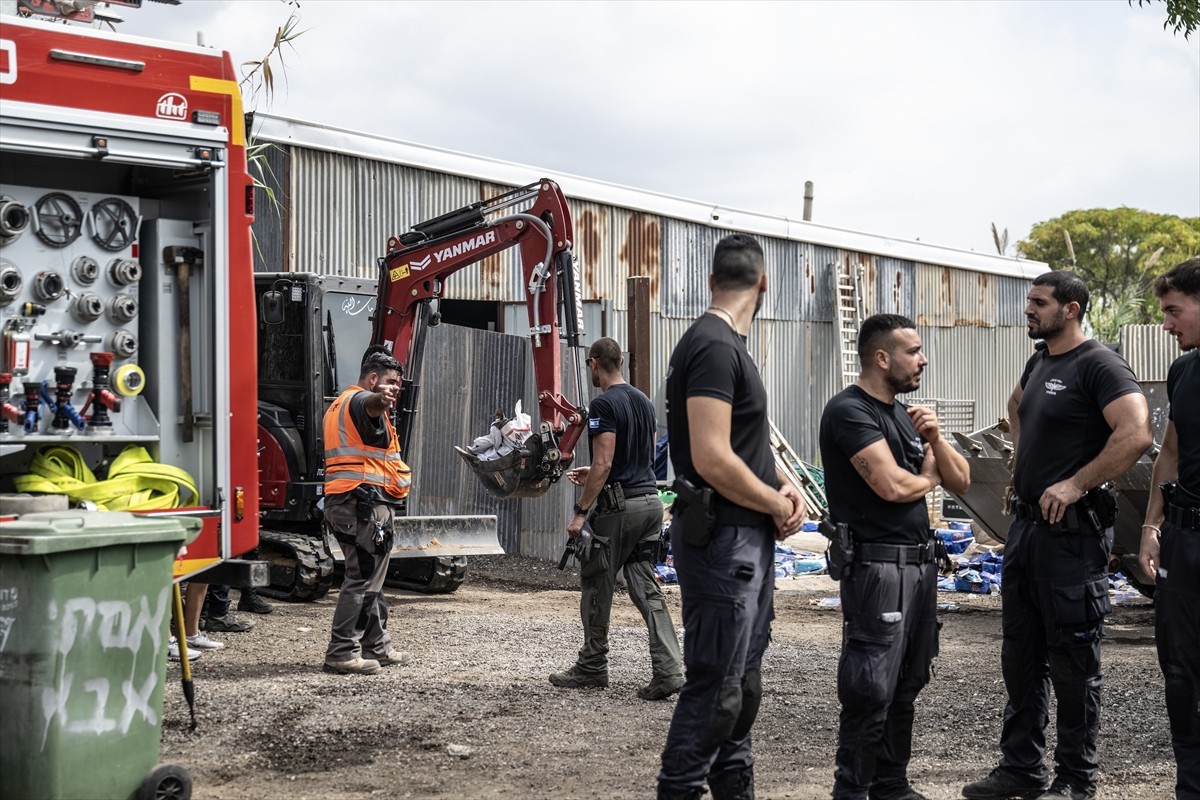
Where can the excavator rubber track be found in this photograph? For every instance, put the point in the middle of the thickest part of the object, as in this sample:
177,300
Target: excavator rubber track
301,569
441,575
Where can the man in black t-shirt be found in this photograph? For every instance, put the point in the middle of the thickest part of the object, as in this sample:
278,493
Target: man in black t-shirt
719,440
1078,419
621,499
1170,553
881,458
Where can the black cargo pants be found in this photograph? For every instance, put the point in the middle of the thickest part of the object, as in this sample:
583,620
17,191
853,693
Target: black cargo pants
728,594
1055,595
889,641
1177,630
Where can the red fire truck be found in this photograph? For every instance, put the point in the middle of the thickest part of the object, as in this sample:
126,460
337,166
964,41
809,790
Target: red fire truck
127,314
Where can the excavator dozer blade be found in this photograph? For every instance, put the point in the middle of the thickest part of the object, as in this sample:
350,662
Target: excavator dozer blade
513,475
437,537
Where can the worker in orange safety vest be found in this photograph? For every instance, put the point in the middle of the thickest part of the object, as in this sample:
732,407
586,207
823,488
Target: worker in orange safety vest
365,480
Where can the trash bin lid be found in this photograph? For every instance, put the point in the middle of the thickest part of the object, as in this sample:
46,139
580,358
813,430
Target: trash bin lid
62,531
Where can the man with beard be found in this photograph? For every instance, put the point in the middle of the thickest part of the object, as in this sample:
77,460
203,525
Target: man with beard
1078,419
881,458
1171,536
621,499
732,505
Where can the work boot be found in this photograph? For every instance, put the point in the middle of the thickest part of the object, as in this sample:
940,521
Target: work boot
733,784
575,678
660,688
911,794
252,603
353,666
226,624
1002,784
392,656
1061,790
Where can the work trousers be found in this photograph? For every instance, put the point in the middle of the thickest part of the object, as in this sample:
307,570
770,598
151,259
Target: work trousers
624,541
1177,631
889,641
360,619
1055,599
728,594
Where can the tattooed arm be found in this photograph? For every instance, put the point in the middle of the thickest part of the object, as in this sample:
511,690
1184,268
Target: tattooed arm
888,479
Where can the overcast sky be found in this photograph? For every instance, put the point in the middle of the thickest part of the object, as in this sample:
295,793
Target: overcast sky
915,120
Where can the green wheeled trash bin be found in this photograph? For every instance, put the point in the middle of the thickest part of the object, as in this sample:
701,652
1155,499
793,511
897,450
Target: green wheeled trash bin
85,608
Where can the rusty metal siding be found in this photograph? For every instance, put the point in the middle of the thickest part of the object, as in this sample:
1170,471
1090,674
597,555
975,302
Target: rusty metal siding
817,281
895,288
866,263
1149,349
596,247
1010,300
686,265
797,361
948,297
785,280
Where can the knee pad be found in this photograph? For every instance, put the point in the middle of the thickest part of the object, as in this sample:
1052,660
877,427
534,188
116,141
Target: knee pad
725,715
751,699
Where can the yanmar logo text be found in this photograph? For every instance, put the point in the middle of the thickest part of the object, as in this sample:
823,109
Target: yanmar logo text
1054,386
171,106
465,246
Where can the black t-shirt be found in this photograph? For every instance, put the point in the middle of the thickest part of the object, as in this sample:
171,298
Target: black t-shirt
711,360
373,431
628,413
1183,390
851,421
1062,413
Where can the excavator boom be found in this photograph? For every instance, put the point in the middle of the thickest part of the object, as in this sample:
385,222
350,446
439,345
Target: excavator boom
411,283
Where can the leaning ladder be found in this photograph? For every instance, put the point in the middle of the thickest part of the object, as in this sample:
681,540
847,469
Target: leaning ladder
849,310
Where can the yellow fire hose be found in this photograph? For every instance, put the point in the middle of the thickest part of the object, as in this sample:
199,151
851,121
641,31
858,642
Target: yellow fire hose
135,481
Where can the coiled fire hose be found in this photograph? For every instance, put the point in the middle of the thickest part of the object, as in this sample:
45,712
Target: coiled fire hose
135,482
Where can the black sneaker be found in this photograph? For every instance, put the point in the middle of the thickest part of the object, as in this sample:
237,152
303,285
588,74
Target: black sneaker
1001,784
1063,791
574,678
253,604
226,624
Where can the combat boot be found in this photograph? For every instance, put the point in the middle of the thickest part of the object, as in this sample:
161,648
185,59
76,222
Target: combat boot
733,784
1002,784
575,678
668,793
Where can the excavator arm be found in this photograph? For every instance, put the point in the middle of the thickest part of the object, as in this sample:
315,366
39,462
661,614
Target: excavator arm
411,284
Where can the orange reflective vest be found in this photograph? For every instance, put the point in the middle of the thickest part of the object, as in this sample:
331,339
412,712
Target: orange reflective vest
350,463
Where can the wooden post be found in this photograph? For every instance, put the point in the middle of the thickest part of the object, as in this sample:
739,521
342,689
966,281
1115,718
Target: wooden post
638,306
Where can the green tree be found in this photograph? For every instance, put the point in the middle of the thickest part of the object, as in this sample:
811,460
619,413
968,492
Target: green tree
1116,251
1182,15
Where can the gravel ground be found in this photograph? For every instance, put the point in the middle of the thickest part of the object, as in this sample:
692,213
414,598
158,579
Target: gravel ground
473,715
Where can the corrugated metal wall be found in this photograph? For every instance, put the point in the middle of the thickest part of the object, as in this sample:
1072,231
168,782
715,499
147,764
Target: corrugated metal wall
342,209
1149,350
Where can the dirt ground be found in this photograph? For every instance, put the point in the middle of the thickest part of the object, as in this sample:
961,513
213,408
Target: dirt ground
473,716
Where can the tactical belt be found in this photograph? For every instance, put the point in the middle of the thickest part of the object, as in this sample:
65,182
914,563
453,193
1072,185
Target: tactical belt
899,554
1033,513
728,514
613,496
1184,516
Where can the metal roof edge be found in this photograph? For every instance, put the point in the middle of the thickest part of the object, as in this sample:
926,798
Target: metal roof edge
280,129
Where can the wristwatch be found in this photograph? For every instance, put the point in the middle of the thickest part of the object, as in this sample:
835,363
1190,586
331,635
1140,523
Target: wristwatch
581,510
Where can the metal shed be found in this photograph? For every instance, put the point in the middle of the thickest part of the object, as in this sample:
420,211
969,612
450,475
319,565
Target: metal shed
340,194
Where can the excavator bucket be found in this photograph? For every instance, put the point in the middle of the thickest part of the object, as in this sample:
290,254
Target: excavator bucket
516,474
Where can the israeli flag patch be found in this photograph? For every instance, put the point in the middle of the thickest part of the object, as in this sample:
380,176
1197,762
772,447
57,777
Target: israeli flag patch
593,423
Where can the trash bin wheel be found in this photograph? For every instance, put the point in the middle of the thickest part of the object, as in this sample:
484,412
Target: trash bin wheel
166,782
